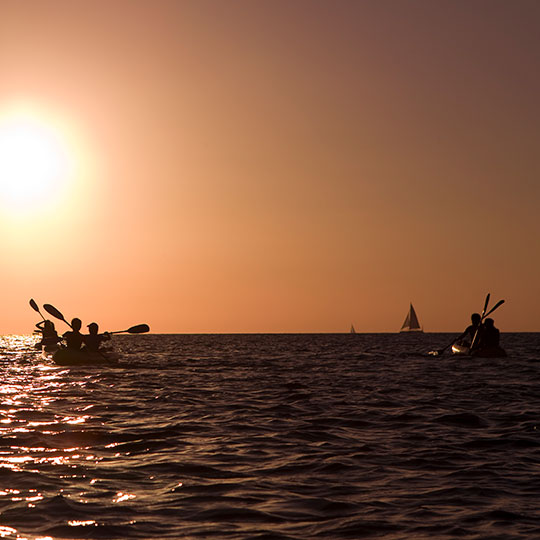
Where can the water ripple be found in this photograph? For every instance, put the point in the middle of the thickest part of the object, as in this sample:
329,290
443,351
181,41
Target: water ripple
271,437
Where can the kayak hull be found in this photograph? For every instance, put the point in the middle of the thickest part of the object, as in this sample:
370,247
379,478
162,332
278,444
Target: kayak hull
82,357
487,352
490,352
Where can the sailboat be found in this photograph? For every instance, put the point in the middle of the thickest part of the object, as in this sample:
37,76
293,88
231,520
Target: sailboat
411,323
353,331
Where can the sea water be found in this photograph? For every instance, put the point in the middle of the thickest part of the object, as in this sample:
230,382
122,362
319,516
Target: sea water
272,437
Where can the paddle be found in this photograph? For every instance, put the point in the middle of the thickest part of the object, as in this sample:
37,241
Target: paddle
35,307
137,329
485,305
55,313
499,303
481,319
440,351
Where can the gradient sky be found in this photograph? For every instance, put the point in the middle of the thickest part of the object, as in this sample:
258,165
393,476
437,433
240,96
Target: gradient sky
277,165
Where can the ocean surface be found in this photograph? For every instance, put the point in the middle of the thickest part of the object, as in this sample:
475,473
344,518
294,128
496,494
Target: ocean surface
272,437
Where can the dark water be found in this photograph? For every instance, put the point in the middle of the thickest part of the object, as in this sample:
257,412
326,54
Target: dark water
272,437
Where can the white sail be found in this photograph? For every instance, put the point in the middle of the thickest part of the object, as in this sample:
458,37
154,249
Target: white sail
411,323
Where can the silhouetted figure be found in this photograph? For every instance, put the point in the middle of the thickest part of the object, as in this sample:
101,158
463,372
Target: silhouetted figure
73,338
489,342
93,340
475,327
49,336
490,335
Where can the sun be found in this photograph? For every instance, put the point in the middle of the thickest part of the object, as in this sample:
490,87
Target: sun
34,164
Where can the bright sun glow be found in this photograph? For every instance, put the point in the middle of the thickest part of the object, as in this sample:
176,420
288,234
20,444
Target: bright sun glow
34,164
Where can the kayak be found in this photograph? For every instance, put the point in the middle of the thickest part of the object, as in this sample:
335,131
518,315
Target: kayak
486,352
84,357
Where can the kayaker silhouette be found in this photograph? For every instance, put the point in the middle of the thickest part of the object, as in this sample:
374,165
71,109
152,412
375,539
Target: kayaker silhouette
490,335
468,335
93,340
489,343
49,336
73,338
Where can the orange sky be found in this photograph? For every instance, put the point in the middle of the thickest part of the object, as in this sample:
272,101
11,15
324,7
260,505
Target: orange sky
277,166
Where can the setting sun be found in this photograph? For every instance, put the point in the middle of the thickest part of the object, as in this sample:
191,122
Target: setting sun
34,164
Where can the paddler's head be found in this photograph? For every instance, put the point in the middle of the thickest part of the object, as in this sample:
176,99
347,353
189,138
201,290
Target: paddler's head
489,323
475,318
76,324
93,328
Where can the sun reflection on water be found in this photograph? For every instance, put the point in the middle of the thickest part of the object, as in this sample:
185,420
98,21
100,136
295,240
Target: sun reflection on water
29,413
75,523
121,497
7,531
57,450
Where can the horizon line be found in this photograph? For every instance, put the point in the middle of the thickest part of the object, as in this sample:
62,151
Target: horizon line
298,333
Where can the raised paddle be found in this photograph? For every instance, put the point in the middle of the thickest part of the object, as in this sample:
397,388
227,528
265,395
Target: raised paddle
55,313
35,307
137,329
499,303
485,305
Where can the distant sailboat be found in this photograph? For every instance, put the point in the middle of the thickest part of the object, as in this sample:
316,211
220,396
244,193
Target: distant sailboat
353,331
411,323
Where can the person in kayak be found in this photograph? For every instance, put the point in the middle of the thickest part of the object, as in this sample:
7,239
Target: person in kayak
49,336
471,331
73,338
490,335
93,341
489,343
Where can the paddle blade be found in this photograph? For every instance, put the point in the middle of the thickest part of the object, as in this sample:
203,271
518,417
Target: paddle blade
486,304
53,311
499,303
138,329
33,305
